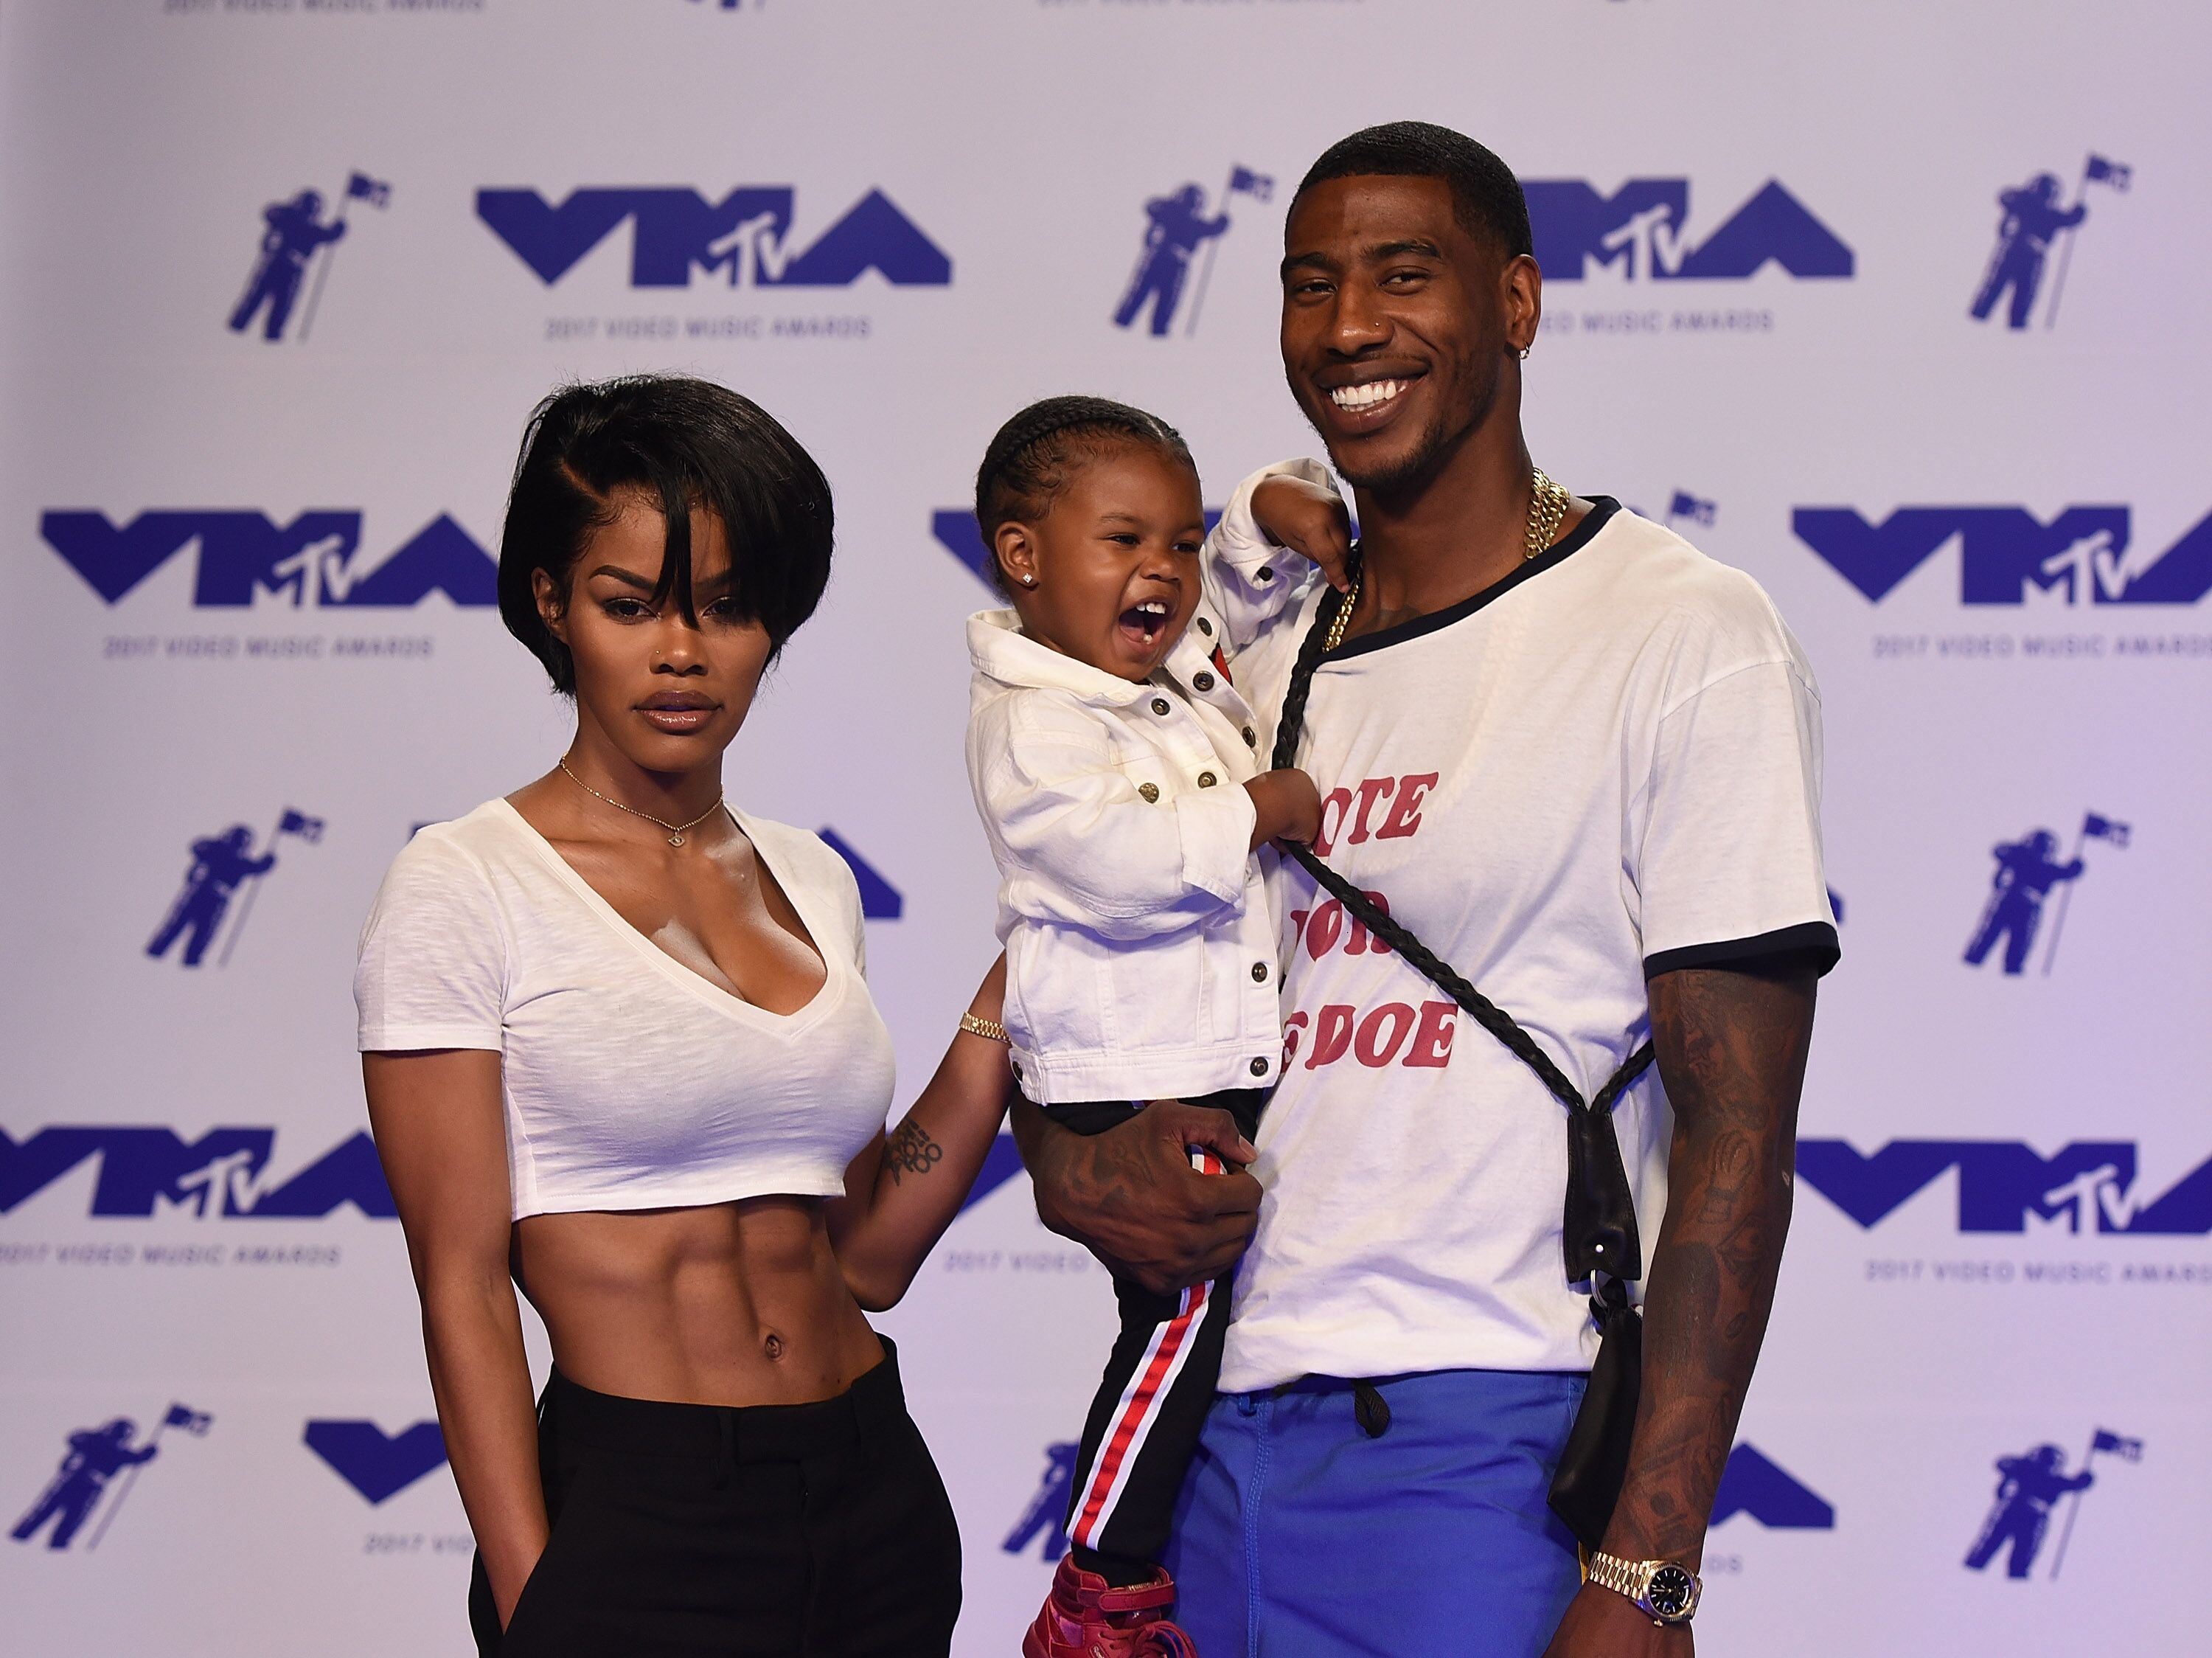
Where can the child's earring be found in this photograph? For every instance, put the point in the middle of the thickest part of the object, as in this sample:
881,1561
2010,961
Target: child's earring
1029,580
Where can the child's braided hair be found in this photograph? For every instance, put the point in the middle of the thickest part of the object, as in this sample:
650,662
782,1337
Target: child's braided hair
1035,454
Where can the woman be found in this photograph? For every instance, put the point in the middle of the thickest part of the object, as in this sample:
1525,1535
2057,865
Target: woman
618,1045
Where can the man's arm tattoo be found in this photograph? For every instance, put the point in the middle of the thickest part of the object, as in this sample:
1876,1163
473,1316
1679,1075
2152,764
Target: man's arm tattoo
1732,1051
909,1150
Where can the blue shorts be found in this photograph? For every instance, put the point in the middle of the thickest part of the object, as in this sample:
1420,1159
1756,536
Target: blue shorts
1299,1536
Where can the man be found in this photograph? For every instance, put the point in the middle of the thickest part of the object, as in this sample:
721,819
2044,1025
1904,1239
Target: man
1587,779
2025,872
1176,227
2032,217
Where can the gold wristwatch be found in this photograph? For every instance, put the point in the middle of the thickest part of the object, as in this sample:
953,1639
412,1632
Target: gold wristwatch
1664,1591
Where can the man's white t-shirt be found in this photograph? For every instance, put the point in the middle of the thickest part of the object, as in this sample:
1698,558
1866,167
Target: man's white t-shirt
1607,766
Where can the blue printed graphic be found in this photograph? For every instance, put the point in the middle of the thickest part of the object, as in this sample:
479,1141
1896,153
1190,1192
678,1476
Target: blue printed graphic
2086,1186
2032,220
293,237
238,557
222,1174
1687,509
1641,232
879,899
2030,1487
220,865
376,1464
1754,1484
742,238
2084,552
1000,1164
96,1456
1175,228
2027,870
1046,1514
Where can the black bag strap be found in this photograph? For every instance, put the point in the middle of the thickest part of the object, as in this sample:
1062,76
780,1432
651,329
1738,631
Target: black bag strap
1598,1232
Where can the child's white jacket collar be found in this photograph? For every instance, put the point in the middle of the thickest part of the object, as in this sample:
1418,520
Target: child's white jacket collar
1000,649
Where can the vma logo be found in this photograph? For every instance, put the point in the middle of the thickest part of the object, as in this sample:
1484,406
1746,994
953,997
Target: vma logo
376,1464
1754,1484
293,236
1641,233
220,865
2085,555
2086,1187
238,557
741,240
2032,220
223,1174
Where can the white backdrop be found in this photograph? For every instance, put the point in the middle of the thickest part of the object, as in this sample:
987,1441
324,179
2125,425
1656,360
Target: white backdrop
2002,1234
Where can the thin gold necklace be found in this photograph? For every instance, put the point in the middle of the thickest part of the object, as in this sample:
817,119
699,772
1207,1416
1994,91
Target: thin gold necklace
1547,507
676,831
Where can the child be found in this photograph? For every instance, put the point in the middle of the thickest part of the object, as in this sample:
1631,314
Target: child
1114,767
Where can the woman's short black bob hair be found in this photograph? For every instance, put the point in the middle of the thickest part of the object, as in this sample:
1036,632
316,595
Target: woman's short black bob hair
684,444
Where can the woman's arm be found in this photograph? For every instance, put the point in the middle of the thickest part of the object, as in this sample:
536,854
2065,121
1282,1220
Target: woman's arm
903,1190
441,1133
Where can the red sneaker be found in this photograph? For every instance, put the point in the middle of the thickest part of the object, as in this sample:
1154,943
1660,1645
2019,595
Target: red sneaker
1084,1619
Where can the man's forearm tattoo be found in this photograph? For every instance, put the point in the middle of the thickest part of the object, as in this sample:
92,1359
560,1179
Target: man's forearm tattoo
909,1150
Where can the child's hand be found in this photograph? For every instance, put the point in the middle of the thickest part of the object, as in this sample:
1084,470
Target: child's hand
1309,519
1286,804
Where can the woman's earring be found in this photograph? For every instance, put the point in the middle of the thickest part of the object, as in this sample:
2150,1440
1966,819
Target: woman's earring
1029,580
1524,354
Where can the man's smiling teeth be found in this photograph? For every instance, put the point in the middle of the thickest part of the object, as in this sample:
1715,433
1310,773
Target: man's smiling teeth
1373,394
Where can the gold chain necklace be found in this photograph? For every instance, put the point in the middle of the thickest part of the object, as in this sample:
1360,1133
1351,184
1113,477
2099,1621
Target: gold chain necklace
676,831
1547,508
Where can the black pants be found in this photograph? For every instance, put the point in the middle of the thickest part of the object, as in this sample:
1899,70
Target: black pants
799,1531
1145,1419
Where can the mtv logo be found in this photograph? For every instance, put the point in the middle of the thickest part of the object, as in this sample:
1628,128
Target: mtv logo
238,556
2083,554
376,1464
1640,230
742,237
1754,1484
2086,1186
879,899
220,1175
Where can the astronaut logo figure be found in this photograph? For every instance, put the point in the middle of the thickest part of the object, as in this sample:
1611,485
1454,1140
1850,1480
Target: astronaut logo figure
1047,1514
1175,228
2028,1489
295,232
220,865
2034,220
95,1456
2027,871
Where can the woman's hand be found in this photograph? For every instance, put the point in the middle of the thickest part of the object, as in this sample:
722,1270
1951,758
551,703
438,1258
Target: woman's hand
1310,519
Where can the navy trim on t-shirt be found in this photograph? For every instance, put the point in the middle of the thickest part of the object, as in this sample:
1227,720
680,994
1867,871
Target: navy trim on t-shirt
1602,508
1815,941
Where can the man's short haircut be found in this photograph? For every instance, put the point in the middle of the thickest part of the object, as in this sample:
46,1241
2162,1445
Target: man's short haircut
1035,455
1486,198
683,445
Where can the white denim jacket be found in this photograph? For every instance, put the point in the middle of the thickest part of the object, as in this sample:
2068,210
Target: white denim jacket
1140,948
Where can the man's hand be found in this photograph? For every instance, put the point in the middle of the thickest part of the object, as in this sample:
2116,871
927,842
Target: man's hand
1601,1623
1309,519
1131,1197
1286,806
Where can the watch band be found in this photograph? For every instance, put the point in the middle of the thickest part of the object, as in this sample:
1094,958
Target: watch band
990,1029
1634,1579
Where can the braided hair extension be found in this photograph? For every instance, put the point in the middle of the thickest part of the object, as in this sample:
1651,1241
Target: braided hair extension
1035,455
1595,1174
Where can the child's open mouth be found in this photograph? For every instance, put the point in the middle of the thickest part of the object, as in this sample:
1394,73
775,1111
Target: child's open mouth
1142,625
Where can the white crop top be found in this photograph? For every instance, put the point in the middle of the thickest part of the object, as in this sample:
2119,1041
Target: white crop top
631,1082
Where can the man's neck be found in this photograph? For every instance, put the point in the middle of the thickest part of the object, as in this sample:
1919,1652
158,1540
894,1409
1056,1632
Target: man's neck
1449,535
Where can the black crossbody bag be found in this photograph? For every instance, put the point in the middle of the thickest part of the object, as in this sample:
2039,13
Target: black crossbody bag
1598,1230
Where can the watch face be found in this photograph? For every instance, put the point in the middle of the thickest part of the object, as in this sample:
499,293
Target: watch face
1670,1592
